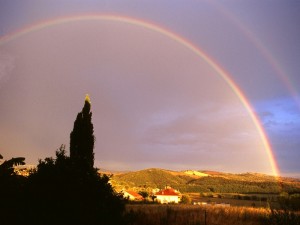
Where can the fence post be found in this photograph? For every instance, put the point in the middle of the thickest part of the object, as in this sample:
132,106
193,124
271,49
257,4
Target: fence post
205,217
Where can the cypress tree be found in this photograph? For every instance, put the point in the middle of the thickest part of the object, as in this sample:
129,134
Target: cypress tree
82,138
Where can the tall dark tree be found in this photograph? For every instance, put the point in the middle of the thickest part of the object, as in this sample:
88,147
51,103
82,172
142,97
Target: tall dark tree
82,138
62,190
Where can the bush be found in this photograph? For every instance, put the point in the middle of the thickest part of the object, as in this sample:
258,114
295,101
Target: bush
57,193
185,199
64,195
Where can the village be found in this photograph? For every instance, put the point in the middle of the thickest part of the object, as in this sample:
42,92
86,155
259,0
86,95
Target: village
167,195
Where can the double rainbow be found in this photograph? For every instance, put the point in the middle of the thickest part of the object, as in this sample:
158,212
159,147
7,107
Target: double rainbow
163,31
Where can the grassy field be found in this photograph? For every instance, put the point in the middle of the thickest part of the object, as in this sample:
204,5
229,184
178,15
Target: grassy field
207,215
257,201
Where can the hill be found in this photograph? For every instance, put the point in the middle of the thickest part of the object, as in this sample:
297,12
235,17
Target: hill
205,181
153,178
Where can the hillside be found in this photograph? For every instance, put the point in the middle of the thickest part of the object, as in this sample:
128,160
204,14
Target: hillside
154,178
205,181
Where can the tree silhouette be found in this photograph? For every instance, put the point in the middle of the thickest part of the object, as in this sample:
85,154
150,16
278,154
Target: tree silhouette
64,189
63,196
7,167
69,190
82,138
11,191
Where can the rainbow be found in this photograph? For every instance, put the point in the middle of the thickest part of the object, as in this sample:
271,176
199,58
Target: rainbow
175,37
279,72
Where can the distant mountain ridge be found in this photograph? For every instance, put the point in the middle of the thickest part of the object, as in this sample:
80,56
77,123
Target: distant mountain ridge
205,181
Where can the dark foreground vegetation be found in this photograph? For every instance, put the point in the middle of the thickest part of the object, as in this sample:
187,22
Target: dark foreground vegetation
58,193
62,190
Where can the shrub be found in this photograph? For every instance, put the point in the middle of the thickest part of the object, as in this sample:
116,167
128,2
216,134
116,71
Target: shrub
185,199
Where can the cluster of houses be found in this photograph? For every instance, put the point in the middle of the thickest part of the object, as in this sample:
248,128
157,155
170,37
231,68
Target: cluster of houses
165,196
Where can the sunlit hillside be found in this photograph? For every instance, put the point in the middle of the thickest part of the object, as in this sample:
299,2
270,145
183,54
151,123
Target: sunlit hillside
201,181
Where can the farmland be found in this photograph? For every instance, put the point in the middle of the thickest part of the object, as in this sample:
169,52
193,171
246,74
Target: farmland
214,198
207,215
255,201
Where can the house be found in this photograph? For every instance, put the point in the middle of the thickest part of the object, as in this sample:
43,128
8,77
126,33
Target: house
132,196
168,195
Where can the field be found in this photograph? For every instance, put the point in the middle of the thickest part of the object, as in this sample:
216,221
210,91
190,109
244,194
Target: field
247,200
231,199
207,215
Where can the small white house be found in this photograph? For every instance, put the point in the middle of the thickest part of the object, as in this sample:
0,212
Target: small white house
168,195
132,196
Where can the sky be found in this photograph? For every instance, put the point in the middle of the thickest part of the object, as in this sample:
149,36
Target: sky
150,70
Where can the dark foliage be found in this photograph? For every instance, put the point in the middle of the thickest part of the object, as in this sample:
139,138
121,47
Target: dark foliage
62,190
57,193
6,168
63,195
82,138
11,190
144,194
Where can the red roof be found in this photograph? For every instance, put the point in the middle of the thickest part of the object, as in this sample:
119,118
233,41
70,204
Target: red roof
134,194
168,191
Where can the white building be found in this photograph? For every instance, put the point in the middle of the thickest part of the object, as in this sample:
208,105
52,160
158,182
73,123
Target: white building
168,195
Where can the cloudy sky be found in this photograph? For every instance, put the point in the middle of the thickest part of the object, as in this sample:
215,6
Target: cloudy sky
157,100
